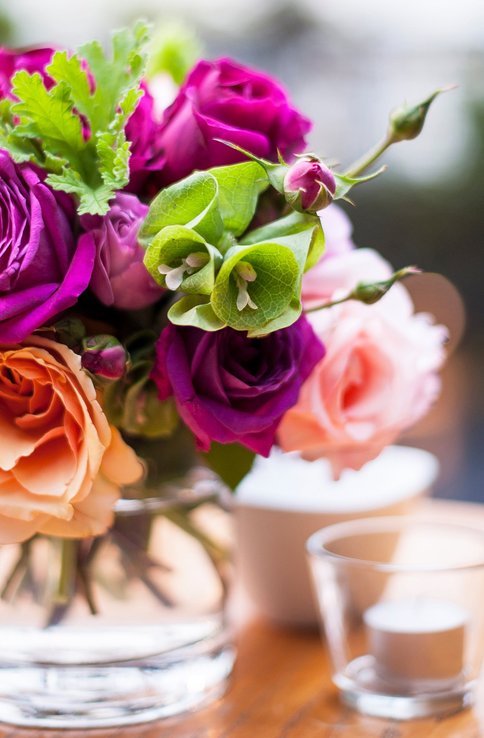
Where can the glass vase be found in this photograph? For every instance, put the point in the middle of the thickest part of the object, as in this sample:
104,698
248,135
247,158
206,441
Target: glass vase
123,628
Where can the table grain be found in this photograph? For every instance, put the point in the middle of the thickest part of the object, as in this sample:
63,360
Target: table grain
281,688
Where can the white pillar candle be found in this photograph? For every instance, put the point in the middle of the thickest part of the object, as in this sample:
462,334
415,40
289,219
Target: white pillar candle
417,640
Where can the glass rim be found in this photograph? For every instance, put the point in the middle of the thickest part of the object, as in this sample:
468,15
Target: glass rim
317,542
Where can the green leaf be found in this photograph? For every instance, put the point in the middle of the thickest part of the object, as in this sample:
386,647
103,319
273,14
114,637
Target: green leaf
192,202
316,247
275,172
69,71
196,311
44,126
230,461
93,200
289,225
47,115
294,222
288,317
344,183
239,187
117,76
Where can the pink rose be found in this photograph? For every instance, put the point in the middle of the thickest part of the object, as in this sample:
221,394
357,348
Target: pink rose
379,375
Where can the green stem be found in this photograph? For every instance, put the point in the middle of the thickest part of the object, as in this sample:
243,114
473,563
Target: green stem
370,157
218,553
67,573
16,574
85,580
347,298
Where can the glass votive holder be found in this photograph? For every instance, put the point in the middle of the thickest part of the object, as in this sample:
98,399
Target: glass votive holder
401,601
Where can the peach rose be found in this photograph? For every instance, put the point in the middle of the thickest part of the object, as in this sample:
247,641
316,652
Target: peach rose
379,375
61,464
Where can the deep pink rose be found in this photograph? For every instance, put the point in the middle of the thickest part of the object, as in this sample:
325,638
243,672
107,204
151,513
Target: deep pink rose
11,61
146,155
225,100
232,389
120,279
42,271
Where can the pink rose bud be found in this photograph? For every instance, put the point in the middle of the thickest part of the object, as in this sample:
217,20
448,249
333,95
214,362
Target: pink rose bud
309,185
104,357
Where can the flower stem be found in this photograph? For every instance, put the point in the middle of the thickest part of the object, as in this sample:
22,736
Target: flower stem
67,573
370,157
317,308
16,575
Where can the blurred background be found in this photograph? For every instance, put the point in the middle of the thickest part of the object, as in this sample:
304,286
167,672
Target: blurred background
347,64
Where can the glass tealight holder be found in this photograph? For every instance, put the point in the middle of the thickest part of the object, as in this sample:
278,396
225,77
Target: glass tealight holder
401,601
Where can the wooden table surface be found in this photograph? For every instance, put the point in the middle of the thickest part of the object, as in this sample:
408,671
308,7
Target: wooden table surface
281,688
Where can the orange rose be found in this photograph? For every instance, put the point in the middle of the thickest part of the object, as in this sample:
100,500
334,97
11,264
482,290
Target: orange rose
61,464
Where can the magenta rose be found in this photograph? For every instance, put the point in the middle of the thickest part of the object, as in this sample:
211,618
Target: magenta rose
146,155
32,60
222,99
42,271
119,279
232,389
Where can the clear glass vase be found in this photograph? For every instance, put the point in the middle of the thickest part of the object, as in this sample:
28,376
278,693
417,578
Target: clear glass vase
123,628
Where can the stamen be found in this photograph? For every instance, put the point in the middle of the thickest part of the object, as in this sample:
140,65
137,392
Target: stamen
174,276
197,260
244,273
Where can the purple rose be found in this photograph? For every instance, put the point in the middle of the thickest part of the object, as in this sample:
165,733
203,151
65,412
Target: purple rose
222,99
232,389
120,279
309,185
42,271
33,60
146,156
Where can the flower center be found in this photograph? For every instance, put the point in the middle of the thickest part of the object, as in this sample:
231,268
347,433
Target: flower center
174,276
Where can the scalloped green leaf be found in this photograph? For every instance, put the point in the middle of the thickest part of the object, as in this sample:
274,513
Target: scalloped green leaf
44,124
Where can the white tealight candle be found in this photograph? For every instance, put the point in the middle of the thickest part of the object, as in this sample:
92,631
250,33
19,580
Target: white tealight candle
417,639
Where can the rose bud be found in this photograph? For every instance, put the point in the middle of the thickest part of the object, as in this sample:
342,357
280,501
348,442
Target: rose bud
309,185
371,292
104,357
407,121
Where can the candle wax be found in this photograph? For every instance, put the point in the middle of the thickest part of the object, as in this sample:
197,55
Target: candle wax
417,639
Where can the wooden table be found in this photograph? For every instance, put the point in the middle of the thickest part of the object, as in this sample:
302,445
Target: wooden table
282,689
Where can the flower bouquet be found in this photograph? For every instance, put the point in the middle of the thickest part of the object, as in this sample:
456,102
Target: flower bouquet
178,293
